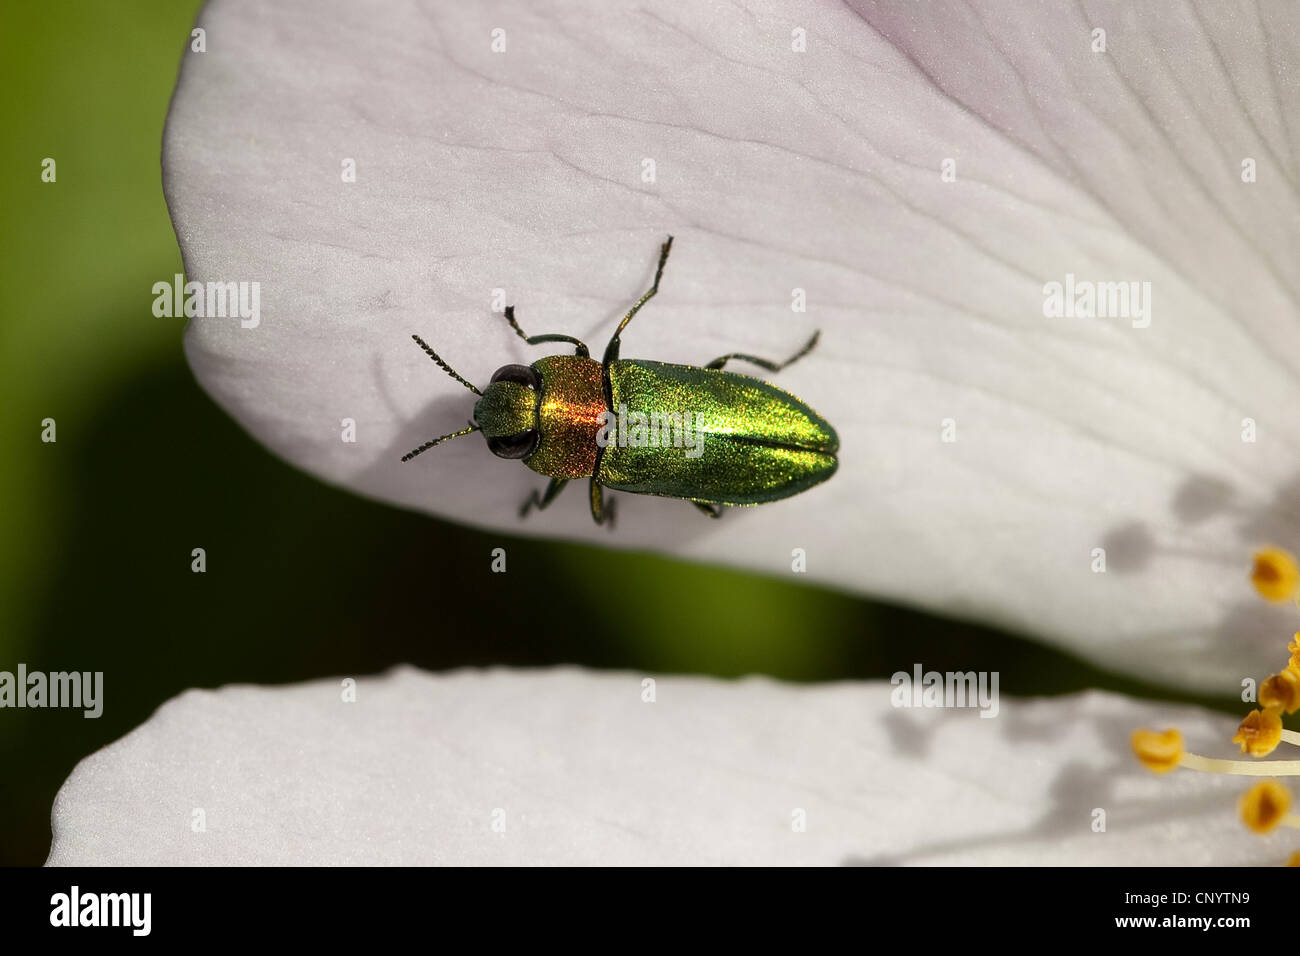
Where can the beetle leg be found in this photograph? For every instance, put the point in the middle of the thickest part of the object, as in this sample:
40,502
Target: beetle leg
764,363
582,350
611,350
541,501
711,509
601,513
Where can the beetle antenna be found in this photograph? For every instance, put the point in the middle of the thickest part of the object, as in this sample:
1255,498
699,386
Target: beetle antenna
443,365
438,441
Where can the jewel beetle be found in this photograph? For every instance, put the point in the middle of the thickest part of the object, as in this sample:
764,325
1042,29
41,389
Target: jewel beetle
738,440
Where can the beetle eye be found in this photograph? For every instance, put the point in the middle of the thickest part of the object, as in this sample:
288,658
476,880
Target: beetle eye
515,446
520,375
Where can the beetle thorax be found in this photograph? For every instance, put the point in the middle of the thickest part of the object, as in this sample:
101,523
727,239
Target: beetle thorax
571,413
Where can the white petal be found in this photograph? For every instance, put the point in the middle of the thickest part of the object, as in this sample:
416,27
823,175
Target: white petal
581,770
777,171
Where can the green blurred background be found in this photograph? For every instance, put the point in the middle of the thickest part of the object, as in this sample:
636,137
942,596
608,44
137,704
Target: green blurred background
303,580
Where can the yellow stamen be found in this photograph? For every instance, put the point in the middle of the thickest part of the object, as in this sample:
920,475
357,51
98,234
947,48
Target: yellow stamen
1282,690
1162,750
1260,733
1267,805
1275,574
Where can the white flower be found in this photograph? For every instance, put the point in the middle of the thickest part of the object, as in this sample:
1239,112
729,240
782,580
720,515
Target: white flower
573,767
1161,152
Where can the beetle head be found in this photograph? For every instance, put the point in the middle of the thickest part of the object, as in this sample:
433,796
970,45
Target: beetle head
507,412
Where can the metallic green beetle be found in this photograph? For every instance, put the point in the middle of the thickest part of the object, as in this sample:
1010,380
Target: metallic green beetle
623,423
